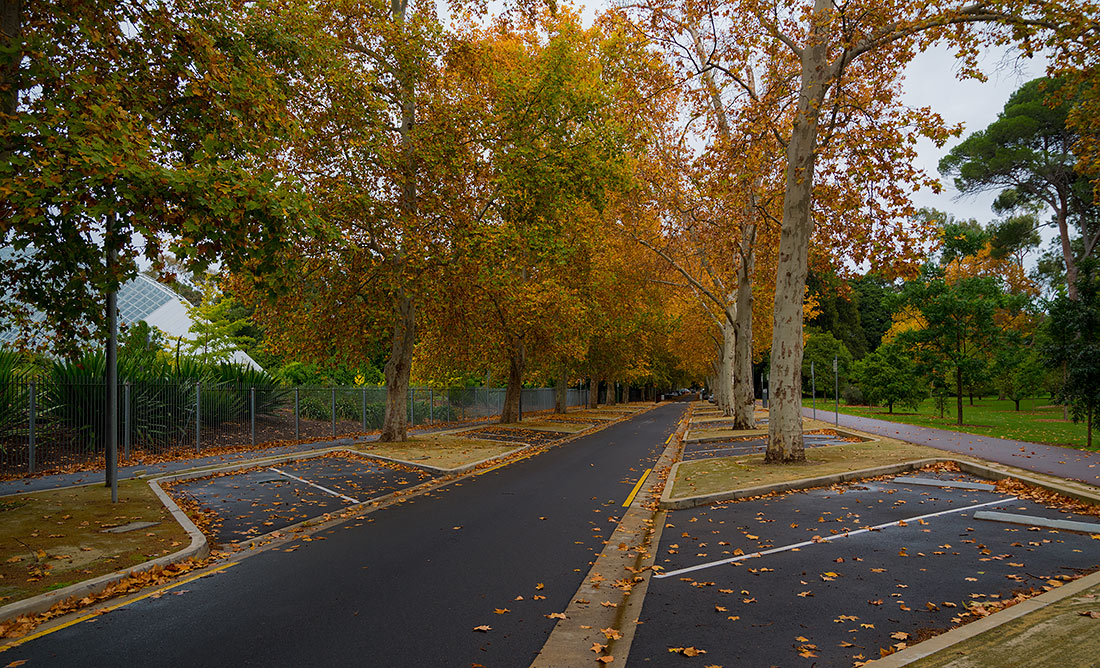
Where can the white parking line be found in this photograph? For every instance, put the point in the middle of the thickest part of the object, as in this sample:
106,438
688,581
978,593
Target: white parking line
313,484
826,539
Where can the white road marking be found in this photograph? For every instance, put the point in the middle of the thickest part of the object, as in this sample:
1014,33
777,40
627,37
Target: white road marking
826,539
313,484
1050,523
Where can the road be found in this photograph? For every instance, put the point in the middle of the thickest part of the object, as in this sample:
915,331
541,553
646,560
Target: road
404,586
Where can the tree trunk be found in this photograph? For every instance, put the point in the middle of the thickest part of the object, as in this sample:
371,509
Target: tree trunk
959,394
1088,430
743,399
511,411
785,408
398,367
594,392
561,392
726,374
1061,216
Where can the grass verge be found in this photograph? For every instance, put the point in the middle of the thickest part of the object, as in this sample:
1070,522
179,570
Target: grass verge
1037,421
1064,633
49,540
721,474
441,451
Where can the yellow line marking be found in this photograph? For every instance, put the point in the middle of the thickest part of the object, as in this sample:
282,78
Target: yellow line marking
502,464
637,486
84,618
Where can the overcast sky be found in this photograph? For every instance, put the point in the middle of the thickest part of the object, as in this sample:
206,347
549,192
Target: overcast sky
931,81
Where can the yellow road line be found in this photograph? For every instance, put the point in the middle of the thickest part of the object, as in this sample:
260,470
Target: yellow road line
637,486
116,606
511,461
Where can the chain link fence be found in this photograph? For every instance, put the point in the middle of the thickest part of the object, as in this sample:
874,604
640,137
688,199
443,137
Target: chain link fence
48,425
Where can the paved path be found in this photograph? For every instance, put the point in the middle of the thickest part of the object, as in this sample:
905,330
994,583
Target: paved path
403,586
1080,465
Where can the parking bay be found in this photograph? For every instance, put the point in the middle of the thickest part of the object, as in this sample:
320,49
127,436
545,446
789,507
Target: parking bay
836,599
258,501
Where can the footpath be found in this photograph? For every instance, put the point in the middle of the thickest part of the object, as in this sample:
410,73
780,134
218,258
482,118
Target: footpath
1080,465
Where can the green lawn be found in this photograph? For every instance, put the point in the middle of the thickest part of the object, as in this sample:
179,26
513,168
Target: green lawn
1037,421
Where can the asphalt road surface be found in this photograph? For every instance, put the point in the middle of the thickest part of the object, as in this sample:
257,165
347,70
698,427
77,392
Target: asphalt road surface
836,602
404,586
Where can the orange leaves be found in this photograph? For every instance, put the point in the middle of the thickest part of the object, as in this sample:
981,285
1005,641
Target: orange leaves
687,651
484,628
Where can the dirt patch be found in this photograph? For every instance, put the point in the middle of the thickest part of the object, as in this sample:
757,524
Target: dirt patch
50,540
445,452
721,474
517,435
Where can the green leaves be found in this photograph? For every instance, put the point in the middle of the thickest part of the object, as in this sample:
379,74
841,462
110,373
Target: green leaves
164,114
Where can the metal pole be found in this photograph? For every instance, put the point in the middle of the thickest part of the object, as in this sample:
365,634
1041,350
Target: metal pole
112,380
30,435
813,388
126,420
520,404
334,412
412,408
198,415
252,412
836,391
431,406
297,431
364,412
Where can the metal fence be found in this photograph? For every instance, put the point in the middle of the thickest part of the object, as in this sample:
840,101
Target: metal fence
48,425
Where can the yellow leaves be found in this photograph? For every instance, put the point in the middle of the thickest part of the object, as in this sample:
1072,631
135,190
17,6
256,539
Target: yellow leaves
611,634
501,611
829,576
597,647
484,628
606,659
556,615
687,651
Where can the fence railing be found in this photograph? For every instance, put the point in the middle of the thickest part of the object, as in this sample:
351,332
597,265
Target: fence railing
50,425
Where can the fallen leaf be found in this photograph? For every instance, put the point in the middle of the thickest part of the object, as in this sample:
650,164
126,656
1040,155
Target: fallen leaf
556,615
597,647
483,628
501,611
606,659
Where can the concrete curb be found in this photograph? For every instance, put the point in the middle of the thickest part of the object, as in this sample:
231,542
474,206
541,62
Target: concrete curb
669,503
955,636
640,530
198,549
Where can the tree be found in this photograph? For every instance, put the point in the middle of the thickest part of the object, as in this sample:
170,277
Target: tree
889,376
958,325
1073,328
216,330
842,126
1017,369
130,127
821,349
1027,155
